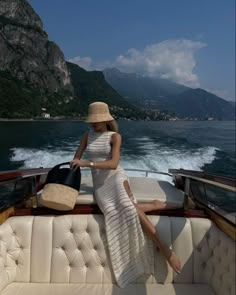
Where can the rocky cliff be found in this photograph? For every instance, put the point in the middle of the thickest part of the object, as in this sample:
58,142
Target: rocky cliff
34,75
26,52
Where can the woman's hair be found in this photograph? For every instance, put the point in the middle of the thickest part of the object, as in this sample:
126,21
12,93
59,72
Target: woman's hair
112,126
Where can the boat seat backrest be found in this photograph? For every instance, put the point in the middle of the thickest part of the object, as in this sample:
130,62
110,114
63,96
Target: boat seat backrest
73,249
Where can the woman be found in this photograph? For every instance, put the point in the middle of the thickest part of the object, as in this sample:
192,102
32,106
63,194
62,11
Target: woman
127,245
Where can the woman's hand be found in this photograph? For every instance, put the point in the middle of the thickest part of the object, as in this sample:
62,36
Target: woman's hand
79,163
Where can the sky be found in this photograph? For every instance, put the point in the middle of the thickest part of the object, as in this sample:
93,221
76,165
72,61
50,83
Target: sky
191,42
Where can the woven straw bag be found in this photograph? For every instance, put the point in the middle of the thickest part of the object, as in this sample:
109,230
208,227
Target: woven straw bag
58,196
62,188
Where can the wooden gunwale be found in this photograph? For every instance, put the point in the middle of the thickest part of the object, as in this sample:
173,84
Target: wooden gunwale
94,209
226,180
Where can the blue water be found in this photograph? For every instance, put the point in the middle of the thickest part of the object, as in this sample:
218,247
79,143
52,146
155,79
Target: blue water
205,145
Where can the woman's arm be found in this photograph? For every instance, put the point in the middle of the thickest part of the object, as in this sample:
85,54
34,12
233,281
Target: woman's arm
82,146
107,164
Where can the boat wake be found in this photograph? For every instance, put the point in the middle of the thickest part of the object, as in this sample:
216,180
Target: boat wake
155,158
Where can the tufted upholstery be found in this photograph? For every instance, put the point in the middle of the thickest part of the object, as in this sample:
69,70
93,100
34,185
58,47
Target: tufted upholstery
68,255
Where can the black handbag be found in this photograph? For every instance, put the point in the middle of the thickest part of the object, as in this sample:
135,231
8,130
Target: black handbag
67,176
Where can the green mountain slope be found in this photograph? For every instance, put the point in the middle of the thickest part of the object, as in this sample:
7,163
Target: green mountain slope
18,99
165,95
92,86
198,103
139,88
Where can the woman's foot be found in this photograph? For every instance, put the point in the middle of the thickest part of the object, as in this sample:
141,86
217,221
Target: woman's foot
174,262
171,258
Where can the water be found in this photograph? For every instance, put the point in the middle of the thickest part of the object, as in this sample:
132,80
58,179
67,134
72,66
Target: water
207,146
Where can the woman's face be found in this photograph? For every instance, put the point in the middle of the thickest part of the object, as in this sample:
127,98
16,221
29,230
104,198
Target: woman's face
99,126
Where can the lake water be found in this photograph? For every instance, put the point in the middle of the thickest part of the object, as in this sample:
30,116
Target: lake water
200,145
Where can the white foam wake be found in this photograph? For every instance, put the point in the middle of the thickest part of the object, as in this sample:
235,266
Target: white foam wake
34,158
156,158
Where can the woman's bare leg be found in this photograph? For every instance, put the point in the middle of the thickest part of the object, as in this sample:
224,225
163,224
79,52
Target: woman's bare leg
148,227
156,205
151,206
153,234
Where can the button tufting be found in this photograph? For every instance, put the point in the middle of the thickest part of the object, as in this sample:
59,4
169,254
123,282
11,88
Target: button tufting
103,264
63,248
79,248
199,248
17,262
71,230
86,264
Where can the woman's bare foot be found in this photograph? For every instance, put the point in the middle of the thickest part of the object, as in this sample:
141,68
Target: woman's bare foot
171,258
174,262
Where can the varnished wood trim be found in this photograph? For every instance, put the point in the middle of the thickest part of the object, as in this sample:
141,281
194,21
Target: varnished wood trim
226,180
228,228
7,213
93,209
5,175
224,225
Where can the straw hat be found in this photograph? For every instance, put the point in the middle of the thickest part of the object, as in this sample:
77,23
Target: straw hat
98,112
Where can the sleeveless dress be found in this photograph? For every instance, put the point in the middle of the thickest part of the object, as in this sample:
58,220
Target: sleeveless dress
128,248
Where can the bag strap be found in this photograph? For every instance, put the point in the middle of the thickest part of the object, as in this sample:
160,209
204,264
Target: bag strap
59,165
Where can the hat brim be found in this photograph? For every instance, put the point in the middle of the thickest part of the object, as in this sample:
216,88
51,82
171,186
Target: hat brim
96,118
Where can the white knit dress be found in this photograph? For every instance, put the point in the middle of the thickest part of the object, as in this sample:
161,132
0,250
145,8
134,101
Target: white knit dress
128,248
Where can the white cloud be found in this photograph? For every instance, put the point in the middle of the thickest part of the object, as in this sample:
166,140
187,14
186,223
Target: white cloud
170,59
84,62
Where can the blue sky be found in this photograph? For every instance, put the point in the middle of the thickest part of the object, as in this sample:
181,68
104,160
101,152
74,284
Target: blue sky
191,42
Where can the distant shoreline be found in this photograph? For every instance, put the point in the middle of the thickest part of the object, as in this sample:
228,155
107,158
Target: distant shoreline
80,120
38,120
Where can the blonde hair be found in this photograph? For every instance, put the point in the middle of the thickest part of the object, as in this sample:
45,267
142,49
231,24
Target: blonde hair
112,126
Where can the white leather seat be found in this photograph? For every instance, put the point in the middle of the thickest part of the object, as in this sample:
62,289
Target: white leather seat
144,190
69,255
106,289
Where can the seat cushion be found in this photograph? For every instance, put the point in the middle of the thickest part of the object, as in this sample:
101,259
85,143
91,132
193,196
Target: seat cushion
106,289
148,189
144,189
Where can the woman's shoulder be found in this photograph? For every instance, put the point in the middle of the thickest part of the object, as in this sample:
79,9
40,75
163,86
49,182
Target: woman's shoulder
115,136
114,133
86,133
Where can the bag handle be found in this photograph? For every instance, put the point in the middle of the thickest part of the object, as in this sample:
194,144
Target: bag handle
61,164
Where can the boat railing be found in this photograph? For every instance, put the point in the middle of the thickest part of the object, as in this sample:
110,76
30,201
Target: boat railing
210,182
216,193
145,171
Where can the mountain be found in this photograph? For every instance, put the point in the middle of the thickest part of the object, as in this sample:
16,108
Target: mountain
198,103
154,93
92,86
34,74
26,52
136,87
